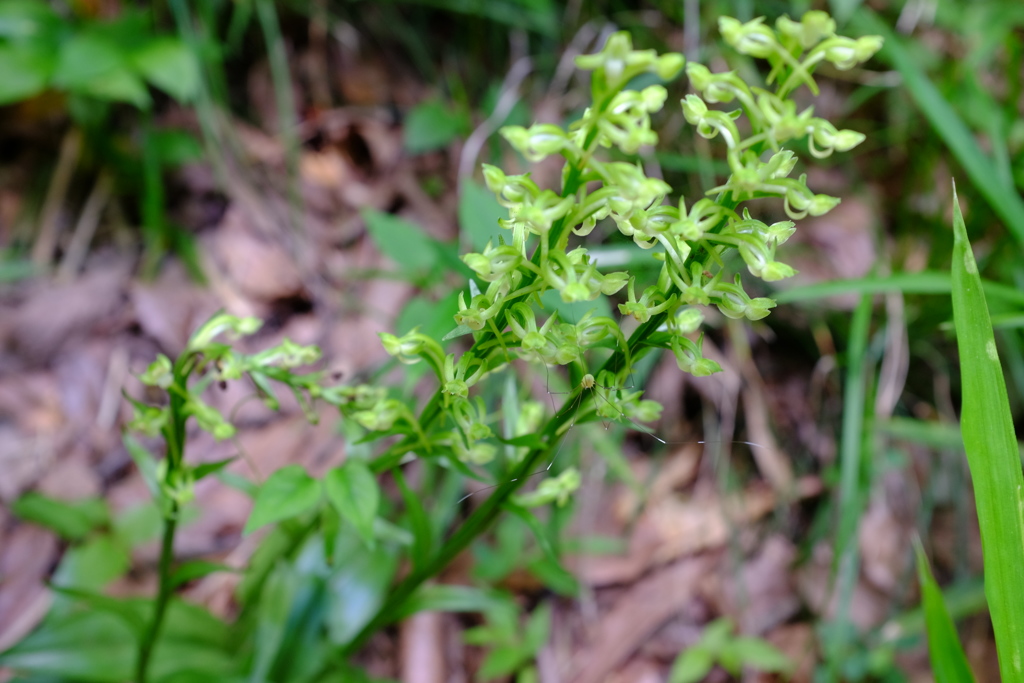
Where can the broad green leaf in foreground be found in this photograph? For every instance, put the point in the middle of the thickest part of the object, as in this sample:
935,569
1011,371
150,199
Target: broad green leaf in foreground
352,490
987,429
287,493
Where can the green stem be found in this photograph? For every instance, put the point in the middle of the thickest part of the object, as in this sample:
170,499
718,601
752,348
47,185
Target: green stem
174,440
162,599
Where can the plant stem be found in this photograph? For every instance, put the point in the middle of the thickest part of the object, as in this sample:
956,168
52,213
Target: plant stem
162,598
174,442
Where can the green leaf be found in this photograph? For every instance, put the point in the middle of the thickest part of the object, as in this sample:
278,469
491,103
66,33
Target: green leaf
422,530
503,660
450,598
26,72
93,565
72,521
192,641
573,312
138,524
91,64
288,492
357,587
279,593
479,212
353,491
208,468
401,241
949,663
434,318
460,331
82,646
168,64
28,21
987,427
175,147
146,463
756,653
691,665
538,628
197,569
431,125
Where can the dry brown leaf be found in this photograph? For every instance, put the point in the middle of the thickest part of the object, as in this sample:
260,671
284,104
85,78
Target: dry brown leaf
260,269
638,670
762,593
673,528
884,546
26,557
54,315
840,244
798,643
172,307
868,607
637,614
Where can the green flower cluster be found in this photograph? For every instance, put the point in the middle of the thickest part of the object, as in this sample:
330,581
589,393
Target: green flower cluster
687,242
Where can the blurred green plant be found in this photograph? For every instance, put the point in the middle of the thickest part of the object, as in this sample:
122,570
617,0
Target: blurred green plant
720,645
94,65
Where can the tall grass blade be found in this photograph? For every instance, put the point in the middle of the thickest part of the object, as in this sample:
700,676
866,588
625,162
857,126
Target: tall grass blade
949,663
981,169
852,484
987,429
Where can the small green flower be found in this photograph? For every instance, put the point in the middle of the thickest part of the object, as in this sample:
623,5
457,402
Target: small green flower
209,418
812,28
539,141
690,358
220,323
752,38
382,416
711,122
687,320
556,490
159,373
148,420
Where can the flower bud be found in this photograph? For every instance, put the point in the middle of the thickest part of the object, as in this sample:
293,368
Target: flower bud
781,231
159,373
821,204
404,349
694,109
752,38
669,65
773,271
688,320
813,27
223,322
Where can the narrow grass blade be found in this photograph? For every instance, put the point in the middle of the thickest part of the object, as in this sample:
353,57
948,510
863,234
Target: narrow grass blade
987,428
924,282
981,169
949,663
852,493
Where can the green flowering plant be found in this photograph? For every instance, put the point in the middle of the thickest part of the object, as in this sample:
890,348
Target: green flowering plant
687,243
209,358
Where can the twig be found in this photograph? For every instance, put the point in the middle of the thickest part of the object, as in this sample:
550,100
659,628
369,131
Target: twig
46,242
85,228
